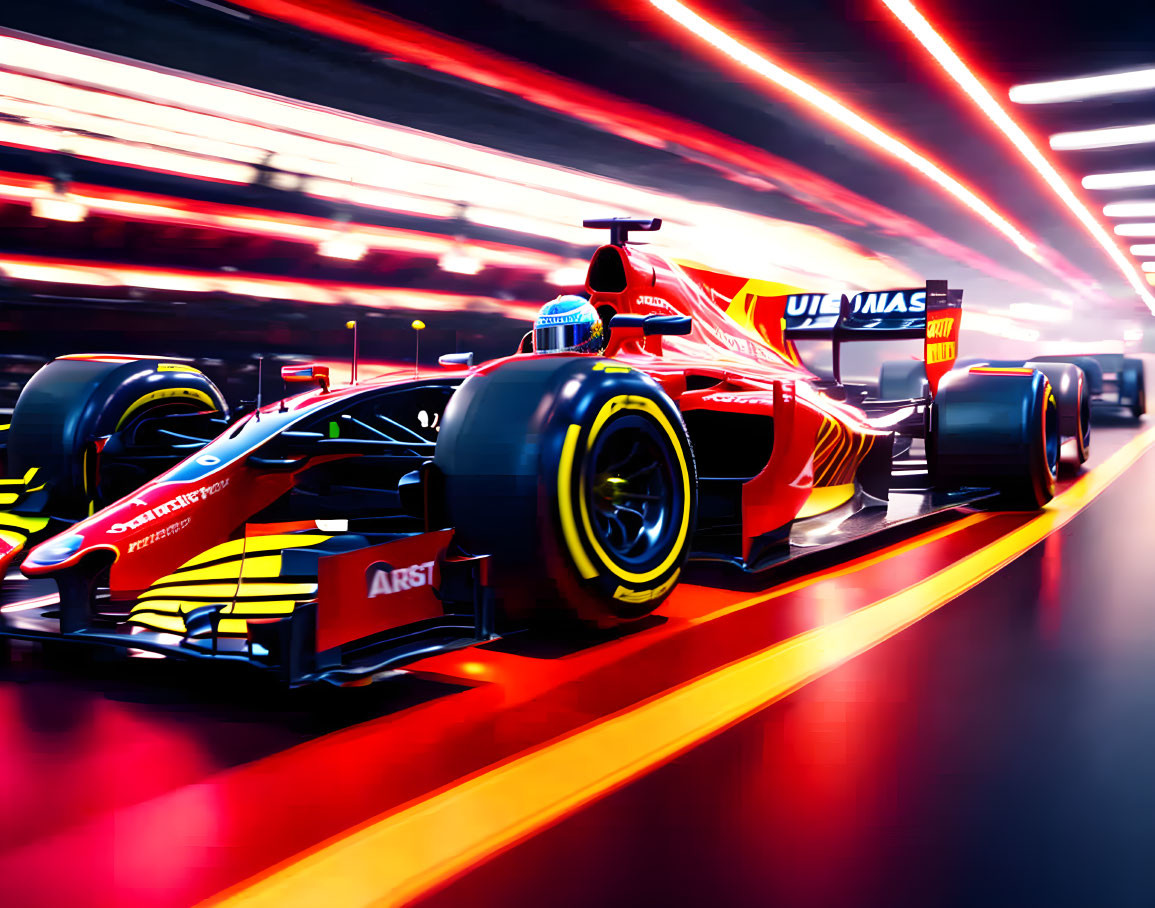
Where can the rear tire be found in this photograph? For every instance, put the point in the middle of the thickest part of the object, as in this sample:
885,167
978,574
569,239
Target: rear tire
1092,369
575,475
902,380
997,430
1133,386
1073,397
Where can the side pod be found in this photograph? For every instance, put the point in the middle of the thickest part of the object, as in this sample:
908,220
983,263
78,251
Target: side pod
784,483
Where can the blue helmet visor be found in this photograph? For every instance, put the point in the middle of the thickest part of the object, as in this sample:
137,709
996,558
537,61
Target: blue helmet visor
557,338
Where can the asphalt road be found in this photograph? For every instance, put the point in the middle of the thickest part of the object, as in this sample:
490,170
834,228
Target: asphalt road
998,752
1008,732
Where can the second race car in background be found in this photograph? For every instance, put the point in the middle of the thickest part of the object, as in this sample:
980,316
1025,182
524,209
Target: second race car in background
1115,384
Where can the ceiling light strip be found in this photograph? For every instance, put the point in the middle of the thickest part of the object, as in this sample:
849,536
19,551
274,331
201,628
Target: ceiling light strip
1129,179
1107,137
1082,88
1130,209
1136,229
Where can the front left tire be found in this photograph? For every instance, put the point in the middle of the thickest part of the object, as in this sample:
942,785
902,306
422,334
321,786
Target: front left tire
575,474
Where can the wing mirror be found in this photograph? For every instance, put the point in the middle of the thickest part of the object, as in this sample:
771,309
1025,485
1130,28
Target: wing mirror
309,374
455,360
654,324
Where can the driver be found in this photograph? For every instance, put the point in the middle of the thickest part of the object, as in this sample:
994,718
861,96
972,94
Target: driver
568,324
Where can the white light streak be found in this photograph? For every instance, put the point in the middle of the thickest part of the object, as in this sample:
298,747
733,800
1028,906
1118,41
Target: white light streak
1108,137
1129,209
1085,87
1140,228
1123,180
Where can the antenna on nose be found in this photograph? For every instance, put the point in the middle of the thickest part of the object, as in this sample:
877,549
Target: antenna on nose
351,325
260,384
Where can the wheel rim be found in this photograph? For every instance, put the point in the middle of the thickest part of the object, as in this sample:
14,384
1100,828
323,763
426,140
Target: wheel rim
123,473
633,490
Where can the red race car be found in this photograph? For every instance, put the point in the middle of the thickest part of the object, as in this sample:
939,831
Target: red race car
343,531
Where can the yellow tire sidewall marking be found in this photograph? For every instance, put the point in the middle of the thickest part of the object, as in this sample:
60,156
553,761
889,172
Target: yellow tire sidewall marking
565,505
1051,474
565,499
625,594
175,394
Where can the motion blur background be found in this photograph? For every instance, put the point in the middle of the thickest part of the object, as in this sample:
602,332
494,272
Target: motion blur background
227,180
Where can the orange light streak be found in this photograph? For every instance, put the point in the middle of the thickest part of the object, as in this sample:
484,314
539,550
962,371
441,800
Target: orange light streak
806,91
946,57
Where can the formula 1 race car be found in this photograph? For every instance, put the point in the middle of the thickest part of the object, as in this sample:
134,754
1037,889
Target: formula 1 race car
344,531
1116,382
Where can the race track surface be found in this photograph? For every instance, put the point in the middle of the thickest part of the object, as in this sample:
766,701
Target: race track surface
994,751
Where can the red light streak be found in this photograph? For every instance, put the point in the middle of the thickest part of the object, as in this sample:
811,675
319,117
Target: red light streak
401,40
852,121
946,57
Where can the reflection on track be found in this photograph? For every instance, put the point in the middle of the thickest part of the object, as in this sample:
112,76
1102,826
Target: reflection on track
85,734
996,753
103,753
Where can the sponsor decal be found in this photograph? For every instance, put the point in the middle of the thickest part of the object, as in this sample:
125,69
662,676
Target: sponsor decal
382,579
162,533
754,400
812,304
741,345
173,504
942,330
887,301
874,303
941,352
570,318
939,327
656,304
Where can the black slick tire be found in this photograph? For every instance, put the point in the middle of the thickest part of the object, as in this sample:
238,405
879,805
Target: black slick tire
996,428
574,473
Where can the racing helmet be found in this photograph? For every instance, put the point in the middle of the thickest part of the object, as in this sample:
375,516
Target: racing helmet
568,324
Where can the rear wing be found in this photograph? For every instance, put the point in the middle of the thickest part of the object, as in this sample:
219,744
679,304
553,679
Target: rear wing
932,313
